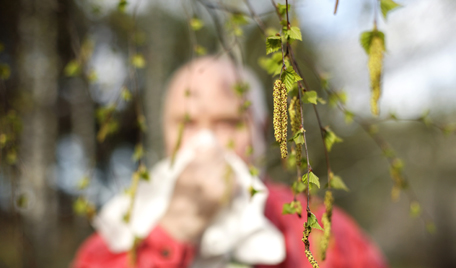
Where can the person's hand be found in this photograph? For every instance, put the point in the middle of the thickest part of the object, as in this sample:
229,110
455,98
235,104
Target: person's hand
203,188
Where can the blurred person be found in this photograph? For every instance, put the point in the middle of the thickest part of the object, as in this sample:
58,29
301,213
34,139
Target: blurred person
196,210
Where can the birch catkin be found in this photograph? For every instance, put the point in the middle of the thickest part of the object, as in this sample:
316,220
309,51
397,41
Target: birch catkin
375,70
326,220
295,121
280,116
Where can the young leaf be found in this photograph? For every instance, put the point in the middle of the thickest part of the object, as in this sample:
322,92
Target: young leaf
196,24
349,117
298,137
139,151
415,209
294,33
253,191
282,9
83,183
272,65
122,5
298,187
292,208
273,43
72,68
310,97
336,182
289,77
125,94
331,138
138,61
253,171
312,222
143,172
313,179
5,71
200,50
388,5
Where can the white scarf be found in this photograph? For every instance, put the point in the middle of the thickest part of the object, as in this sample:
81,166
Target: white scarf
240,231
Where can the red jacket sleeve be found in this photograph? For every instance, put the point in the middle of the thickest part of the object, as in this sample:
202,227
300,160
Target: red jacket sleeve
158,250
348,246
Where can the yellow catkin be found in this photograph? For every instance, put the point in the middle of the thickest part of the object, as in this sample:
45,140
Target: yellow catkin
277,115
375,70
295,121
311,259
326,220
284,125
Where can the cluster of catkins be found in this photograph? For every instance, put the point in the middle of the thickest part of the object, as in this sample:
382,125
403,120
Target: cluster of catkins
280,116
326,220
305,239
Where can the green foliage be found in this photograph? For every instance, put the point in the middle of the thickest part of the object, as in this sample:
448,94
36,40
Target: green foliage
289,78
367,37
282,9
138,61
313,179
143,172
415,209
298,137
293,207
200,50
294,33
310,97
125,94
22,201
312,222
298,187
337,183
388,5
5,71
272,65
196,24
337,97
253,171
122,5
73,68
273,43
138,153
83,183
349,116
330,138
253,191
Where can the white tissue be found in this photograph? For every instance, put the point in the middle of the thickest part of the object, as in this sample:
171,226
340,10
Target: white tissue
241,230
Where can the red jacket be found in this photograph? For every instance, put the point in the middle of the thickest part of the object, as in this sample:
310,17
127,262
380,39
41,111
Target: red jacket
348,247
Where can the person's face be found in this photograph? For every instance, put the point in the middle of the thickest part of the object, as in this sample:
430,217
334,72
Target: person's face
206,93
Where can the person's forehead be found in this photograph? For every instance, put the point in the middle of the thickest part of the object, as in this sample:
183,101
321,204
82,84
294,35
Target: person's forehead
206,83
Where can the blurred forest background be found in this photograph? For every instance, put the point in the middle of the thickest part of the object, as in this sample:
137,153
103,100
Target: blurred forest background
64,61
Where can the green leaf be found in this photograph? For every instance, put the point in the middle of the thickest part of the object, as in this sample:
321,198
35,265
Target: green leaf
312,222
298,187
83,183
388,5
292,208
239,19
72,68
138,61
92,76
122,5
139,152
310,97
143,172
337,183
349,116
331,138
253,171
298,137
289,78
253,191
367,37
196,24
22,201
313,179
200,50
125,94
273,43
282,9
241,88
415,209
294,33
272,65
